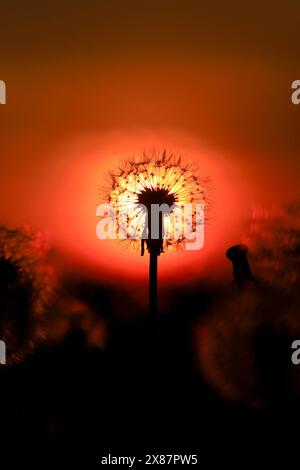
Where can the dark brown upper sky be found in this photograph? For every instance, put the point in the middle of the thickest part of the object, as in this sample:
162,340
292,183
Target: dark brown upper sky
111,27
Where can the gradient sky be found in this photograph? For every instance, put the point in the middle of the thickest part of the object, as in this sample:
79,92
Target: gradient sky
90,81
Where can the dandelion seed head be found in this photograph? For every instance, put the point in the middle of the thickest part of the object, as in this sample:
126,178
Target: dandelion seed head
156,178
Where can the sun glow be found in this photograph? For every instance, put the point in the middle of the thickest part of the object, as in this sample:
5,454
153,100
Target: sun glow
83,182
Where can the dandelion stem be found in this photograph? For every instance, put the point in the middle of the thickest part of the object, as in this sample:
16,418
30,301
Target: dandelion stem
153,310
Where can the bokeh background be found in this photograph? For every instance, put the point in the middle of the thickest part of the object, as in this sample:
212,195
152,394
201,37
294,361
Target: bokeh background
87,84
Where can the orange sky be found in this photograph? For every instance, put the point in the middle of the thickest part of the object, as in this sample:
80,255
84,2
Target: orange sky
86,86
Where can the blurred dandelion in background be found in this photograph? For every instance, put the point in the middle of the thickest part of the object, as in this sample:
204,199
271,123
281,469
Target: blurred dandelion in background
26,290
244,344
